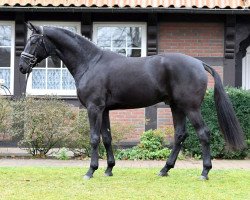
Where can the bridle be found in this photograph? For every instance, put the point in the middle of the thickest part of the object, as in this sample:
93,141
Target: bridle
32,59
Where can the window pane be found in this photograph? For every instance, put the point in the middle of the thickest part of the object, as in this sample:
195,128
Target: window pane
64,66
134,36
68,83
42,64
53,78
120,51
125,40
119,37
70,28
5,57
104,43
54,62
39,79
5,74
104,37
134,52
5,35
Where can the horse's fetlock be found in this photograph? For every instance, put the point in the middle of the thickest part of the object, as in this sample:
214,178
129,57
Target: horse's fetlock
111,163
169,165
94,167
208,166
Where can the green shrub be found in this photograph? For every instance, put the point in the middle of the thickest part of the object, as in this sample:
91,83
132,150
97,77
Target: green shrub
42,123
5,118
151,147
62,154
241,103
79,140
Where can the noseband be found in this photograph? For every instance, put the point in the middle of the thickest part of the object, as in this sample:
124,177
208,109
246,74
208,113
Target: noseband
31,59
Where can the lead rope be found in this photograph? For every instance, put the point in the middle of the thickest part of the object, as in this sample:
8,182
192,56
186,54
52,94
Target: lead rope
25,86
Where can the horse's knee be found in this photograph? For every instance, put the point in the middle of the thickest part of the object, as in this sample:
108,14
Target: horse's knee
94,140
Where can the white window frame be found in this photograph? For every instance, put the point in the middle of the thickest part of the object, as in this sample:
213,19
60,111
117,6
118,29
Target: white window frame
246,70
143,26
42,92
12,57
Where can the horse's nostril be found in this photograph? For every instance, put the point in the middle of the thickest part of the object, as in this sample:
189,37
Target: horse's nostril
22,69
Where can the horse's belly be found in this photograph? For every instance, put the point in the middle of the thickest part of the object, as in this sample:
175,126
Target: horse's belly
135,99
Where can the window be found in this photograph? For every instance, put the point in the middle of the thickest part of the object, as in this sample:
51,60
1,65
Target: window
124,38
7,43
51,77
246,70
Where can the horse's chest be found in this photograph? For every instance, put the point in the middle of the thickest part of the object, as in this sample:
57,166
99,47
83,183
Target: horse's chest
92,91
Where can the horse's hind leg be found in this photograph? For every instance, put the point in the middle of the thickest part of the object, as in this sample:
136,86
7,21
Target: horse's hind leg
204,137
107,139
179,119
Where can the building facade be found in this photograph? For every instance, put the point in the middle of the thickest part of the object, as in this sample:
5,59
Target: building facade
216,32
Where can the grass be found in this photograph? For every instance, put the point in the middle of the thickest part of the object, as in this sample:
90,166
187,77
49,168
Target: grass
35,183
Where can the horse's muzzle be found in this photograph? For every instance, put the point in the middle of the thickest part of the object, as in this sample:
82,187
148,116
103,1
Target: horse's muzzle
25,70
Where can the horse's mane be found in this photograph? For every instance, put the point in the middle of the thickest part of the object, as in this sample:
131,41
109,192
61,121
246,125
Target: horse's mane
72,34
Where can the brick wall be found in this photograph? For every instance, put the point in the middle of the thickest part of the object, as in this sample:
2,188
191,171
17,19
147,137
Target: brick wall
194,39
133,118
164,118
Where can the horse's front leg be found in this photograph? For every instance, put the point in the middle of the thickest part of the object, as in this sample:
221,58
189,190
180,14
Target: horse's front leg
95,120
107,141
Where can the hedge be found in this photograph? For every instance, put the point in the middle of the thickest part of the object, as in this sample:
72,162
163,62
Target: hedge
241,103
45,123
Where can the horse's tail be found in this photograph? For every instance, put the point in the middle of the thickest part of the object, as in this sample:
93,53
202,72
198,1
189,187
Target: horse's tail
228,121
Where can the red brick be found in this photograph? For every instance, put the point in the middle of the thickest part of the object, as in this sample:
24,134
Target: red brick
194,39
134,118
164,118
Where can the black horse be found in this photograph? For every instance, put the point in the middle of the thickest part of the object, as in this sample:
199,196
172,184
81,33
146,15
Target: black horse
106,81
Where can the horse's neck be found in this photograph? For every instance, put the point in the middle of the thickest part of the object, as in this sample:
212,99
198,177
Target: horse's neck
77,53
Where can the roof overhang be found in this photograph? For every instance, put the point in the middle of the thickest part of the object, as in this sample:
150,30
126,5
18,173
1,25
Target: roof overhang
125,10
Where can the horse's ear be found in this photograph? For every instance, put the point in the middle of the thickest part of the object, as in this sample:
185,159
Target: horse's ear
32,27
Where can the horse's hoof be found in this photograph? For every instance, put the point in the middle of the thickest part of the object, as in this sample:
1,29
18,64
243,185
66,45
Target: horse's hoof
87,177
203,178
163,174
108,174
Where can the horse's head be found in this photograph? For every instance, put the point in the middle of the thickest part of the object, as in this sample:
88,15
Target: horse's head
36,49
